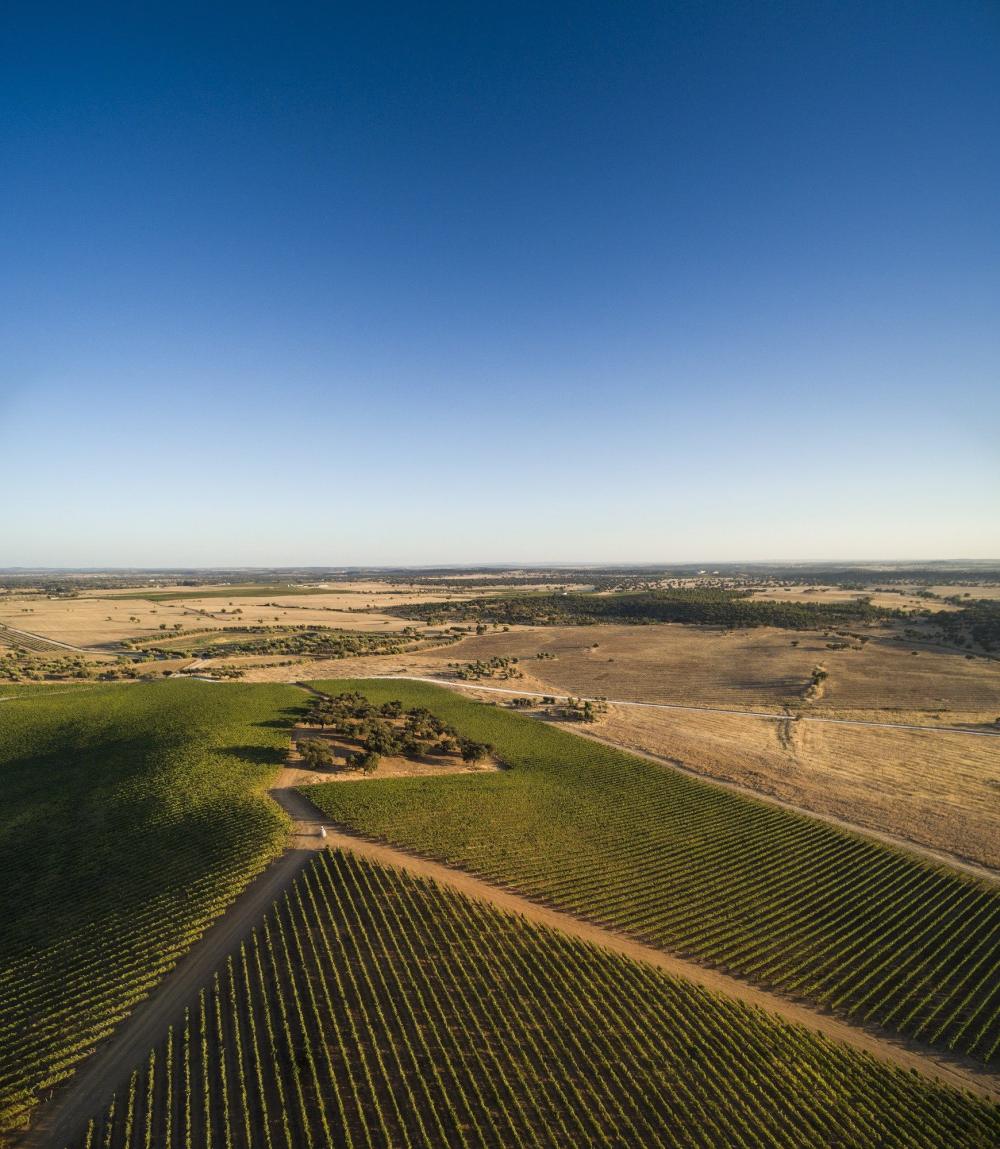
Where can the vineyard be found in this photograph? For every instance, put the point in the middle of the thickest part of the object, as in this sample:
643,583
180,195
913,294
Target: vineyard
130,817
374,1009
790,903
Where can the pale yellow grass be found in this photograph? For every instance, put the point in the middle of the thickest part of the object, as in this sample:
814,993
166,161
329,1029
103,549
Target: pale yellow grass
936,789
92,622
828,594
215,613
746,670
972,591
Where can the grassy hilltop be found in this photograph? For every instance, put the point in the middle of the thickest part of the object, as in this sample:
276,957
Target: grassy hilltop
129,817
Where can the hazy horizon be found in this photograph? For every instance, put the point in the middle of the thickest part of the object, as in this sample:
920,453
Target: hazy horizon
504,565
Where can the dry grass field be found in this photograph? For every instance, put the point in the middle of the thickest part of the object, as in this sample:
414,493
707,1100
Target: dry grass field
761,669
221,614
936,789
92,622
891,600
967,591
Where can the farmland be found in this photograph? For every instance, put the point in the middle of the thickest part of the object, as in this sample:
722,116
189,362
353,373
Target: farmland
790,903
375,1009
155,816
130,817
758,669
929,787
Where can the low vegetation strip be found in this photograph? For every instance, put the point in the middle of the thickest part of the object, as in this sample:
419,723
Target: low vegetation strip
708,606
374,1009
129,818
791,903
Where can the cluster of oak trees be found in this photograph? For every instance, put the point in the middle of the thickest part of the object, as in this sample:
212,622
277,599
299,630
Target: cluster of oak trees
382,731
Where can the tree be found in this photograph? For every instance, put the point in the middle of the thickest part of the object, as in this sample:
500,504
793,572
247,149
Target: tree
316,754
380,738
474,751
369,762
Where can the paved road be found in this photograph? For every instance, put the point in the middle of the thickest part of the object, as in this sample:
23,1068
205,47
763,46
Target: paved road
699,709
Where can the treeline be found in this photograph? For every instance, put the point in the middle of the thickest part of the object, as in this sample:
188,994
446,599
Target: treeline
742,574
977,623
311,642
706,606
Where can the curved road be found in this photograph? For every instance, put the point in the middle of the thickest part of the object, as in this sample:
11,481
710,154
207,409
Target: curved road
454,683
56,1122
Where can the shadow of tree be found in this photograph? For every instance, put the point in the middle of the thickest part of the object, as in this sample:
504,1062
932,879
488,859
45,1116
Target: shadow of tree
261,755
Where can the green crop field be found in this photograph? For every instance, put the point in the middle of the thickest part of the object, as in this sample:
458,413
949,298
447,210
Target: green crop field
372,1009
10,690
789,902
129,817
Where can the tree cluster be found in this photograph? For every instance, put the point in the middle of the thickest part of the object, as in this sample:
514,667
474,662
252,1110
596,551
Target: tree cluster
389,730
710,606
497,667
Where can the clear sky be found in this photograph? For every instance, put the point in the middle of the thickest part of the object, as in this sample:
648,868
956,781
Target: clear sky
417,283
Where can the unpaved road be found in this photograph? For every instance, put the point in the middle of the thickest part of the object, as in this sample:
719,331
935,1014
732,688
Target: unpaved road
56,1122
457,685
62,1118
959,1072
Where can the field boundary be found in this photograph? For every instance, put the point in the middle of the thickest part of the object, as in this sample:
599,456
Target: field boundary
926,853
57,1120
456,684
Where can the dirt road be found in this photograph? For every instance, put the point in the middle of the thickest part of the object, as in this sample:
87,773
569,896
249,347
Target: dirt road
959,1072
59,1120
456,685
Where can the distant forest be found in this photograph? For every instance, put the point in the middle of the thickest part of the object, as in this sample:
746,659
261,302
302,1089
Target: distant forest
708,606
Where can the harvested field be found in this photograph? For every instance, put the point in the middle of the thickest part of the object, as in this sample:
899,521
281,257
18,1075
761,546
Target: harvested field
891,600
760,669
971,592
95,622
888,676
936,789
91,622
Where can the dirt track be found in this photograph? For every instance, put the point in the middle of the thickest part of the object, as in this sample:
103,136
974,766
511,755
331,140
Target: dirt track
456,685
59,1120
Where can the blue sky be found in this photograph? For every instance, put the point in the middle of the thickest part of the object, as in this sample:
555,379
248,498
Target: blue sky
468,283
